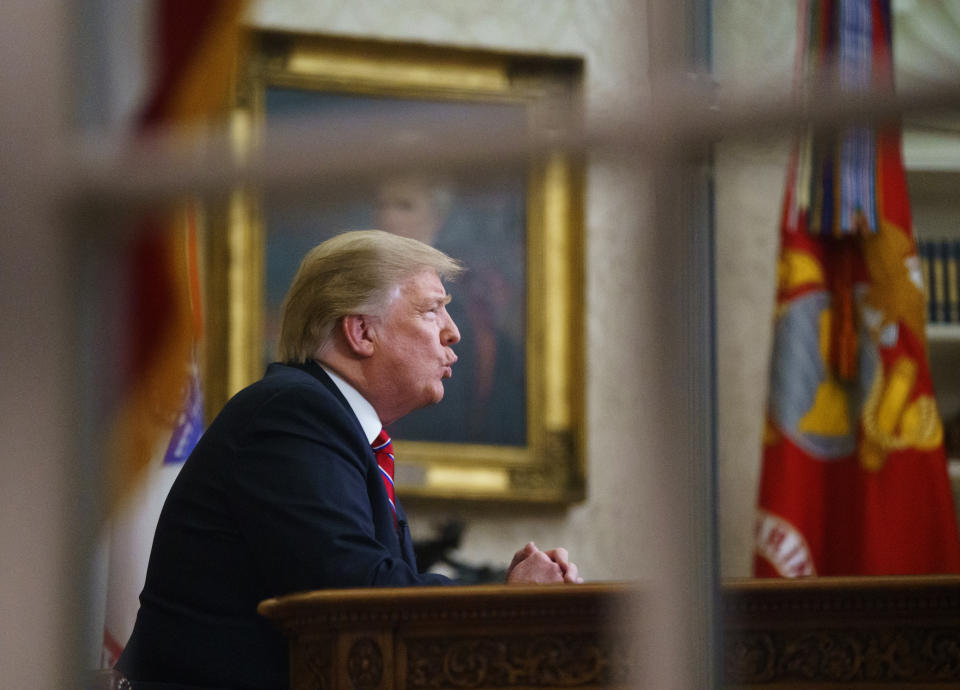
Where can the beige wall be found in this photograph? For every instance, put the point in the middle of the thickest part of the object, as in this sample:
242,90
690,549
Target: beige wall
754,46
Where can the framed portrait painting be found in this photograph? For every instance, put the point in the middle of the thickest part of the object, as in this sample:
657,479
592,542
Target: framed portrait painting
510,426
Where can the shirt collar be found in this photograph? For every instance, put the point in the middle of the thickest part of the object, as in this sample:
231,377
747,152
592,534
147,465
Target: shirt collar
366,415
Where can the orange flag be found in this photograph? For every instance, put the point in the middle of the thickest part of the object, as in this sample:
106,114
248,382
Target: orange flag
198,45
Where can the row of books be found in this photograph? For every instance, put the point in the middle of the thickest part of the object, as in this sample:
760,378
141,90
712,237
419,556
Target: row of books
941,271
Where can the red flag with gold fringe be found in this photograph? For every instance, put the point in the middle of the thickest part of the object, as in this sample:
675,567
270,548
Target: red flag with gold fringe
854,473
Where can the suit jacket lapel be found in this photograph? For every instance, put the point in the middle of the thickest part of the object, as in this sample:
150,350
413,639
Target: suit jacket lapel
315,370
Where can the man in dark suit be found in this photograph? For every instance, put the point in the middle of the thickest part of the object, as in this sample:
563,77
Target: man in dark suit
284,492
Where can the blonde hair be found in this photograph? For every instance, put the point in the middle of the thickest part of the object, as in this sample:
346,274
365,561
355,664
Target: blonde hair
351,273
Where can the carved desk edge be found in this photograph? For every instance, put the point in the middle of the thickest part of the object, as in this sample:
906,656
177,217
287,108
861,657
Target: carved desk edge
748,602
744,603
493,603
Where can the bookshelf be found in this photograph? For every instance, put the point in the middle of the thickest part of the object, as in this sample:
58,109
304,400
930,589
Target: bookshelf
932,159
943,349
943,333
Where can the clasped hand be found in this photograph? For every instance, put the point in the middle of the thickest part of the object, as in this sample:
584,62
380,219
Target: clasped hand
531,566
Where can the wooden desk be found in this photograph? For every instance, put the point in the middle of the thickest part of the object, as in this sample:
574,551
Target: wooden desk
454,637
886,632
828,632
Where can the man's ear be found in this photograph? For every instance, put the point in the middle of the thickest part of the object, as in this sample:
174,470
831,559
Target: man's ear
356,330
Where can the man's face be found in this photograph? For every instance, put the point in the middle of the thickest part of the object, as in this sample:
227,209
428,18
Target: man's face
413,353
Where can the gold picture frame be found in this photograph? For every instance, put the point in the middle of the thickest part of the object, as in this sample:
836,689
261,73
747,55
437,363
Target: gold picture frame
539,210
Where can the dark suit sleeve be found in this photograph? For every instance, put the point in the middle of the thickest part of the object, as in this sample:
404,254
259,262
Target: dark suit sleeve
301,492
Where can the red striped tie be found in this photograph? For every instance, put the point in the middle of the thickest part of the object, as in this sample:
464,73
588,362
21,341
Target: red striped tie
383,449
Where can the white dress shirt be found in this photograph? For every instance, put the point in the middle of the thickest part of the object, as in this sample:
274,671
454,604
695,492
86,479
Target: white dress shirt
361,407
